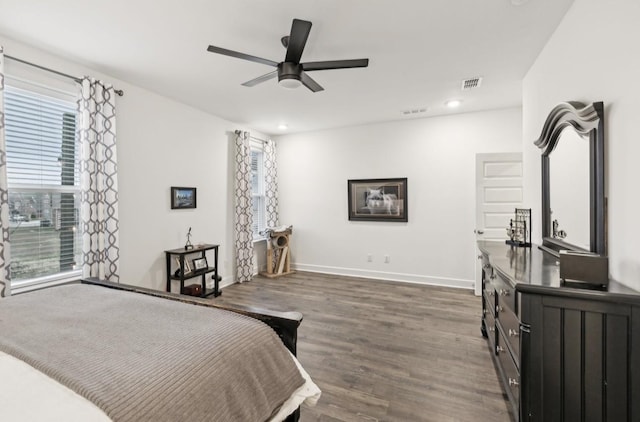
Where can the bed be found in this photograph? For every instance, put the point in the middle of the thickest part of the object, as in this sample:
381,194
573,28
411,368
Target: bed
96,350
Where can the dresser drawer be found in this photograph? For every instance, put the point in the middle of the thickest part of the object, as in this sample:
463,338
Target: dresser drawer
510,326
489,302
505,293
490,325
510,373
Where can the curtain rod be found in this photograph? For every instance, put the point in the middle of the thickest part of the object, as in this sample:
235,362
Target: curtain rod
119,92
238,132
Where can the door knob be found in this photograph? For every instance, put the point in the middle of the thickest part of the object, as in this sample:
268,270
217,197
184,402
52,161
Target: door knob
478,231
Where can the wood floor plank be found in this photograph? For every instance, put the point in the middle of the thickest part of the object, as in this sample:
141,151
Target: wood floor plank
385,351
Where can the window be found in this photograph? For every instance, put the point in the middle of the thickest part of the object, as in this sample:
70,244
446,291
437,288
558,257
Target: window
44,183
258,189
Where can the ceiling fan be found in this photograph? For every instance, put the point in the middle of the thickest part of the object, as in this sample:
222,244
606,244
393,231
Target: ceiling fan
290,72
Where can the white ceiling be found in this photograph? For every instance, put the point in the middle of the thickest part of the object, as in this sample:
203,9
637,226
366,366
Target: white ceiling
419,51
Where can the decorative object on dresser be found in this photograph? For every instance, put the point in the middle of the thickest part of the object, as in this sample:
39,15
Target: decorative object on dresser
278,251
378,199
183,198
184,271
519,230
584,268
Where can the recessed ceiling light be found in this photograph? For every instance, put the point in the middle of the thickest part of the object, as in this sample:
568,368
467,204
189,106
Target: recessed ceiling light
453,103
282,126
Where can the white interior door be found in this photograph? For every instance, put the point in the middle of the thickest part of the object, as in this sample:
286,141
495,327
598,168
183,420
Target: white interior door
498,194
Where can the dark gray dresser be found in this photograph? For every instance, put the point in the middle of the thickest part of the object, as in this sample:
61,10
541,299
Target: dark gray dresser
562,353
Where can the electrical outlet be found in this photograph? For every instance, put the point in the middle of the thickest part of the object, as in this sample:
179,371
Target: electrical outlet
387,259
369,258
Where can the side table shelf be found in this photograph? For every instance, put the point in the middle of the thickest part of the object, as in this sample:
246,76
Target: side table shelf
200,251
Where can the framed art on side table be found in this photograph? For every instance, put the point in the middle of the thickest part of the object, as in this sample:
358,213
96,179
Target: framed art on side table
200,264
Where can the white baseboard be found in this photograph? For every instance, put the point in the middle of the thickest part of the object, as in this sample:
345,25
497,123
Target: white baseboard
382,275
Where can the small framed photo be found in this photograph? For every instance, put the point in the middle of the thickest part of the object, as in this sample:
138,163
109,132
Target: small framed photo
182,198
200,264
378,199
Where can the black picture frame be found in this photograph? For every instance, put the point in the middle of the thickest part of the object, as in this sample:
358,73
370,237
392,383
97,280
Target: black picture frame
378,199
200,264
183,198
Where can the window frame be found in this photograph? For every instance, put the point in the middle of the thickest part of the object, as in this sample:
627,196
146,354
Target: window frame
68,93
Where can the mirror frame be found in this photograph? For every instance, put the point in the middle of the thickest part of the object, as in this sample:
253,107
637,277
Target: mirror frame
588,122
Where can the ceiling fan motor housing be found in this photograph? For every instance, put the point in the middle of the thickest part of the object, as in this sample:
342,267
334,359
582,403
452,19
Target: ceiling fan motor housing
288,70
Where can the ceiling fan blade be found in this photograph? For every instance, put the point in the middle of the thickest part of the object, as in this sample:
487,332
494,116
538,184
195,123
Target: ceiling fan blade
261,79
231,53
310,83
297,40
334,64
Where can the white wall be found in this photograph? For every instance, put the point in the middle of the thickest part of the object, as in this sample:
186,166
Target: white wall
162,143
437,155
592,56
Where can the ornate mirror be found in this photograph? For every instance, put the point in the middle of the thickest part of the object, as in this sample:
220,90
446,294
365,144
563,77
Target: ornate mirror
573,203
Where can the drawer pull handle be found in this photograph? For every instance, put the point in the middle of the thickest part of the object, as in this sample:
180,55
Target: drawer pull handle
504,292
499,308
484,312
479,256
493,276
492,329
490,292
499,349
486,266
513,382
513,333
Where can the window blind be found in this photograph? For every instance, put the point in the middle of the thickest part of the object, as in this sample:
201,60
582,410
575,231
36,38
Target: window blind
258,190
43,177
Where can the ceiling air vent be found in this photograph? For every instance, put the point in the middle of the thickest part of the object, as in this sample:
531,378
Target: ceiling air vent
471,83
414,111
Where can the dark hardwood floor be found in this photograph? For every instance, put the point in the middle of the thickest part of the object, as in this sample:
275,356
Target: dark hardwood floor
385,351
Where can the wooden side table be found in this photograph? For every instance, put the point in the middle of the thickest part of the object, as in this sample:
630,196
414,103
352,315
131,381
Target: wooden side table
182,256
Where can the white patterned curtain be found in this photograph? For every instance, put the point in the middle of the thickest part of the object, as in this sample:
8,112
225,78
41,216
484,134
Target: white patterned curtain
244,209
99,182
271,183
5,258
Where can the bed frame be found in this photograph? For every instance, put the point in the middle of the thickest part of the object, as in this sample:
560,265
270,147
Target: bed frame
285,324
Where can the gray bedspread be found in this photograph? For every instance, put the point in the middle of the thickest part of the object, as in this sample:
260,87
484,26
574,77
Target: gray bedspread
141,358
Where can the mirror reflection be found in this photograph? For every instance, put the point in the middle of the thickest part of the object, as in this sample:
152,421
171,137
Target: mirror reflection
569,189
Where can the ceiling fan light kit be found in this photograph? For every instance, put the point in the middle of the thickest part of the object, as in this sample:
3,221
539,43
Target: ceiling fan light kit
290,72
289,75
